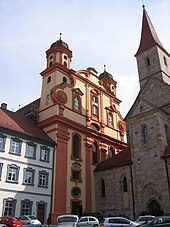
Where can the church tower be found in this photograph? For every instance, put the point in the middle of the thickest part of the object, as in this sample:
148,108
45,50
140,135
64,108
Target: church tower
148,125
80,111
152,59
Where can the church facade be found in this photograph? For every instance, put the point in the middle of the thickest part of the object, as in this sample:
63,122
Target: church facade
80,111
140,183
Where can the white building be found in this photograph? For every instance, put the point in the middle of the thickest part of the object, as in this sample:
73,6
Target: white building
26,164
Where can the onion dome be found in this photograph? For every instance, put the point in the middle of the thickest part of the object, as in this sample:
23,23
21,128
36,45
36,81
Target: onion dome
105,74
60,43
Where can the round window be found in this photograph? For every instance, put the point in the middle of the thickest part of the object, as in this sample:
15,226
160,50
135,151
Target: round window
76,191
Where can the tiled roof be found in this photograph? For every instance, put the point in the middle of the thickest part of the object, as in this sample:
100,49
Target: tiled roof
122,158
149,36
17,122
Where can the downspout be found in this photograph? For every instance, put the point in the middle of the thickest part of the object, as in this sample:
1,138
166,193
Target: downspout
167,175
133,200
52,184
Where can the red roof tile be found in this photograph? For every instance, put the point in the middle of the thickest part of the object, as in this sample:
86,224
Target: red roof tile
122,158
17,122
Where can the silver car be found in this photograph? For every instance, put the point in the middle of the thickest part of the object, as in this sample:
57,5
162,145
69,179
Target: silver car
117,221
67,220
88,221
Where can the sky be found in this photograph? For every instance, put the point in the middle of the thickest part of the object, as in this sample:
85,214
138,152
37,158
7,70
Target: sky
99,32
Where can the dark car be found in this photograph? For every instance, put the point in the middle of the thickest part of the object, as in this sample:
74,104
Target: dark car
10,221
162,221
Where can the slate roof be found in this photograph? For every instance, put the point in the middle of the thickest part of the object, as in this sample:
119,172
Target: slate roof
120,159
16,122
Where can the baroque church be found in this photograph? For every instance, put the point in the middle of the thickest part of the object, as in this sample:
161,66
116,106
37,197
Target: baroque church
78,161
137,180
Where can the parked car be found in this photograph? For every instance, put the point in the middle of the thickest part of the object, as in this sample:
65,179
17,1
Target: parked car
29,219
88,221
162,221
3,225
117,221
144,219
67,220
10,221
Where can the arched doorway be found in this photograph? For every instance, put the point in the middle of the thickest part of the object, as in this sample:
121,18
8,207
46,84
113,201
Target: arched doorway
154,208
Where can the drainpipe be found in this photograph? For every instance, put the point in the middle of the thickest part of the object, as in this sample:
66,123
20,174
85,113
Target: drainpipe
55,149
133,200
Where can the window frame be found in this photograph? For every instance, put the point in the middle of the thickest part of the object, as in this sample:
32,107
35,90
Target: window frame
11,207
1,166
30,144
73,147
2,147
26,202
12,167
17,148
30,170
46,174
47,155
95,158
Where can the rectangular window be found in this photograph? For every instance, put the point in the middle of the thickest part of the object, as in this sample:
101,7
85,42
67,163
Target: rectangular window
2,142
1,164
30,150
43,179
12,173
9,207
94,110
76,175
15,146
26,207
28,176
44,154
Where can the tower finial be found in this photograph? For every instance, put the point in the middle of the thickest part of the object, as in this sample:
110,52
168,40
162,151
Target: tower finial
143,5
60,35
104,68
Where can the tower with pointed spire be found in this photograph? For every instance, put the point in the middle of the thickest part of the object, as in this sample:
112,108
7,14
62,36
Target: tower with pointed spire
148,125
152,59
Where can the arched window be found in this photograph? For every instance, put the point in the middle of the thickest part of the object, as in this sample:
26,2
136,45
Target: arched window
145,135
49,79
94,152
64,79
125,189
102,188
76,147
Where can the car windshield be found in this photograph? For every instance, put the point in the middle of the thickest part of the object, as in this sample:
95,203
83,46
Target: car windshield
67,219
32,217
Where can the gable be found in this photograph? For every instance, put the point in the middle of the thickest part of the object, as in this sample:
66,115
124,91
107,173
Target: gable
155,95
